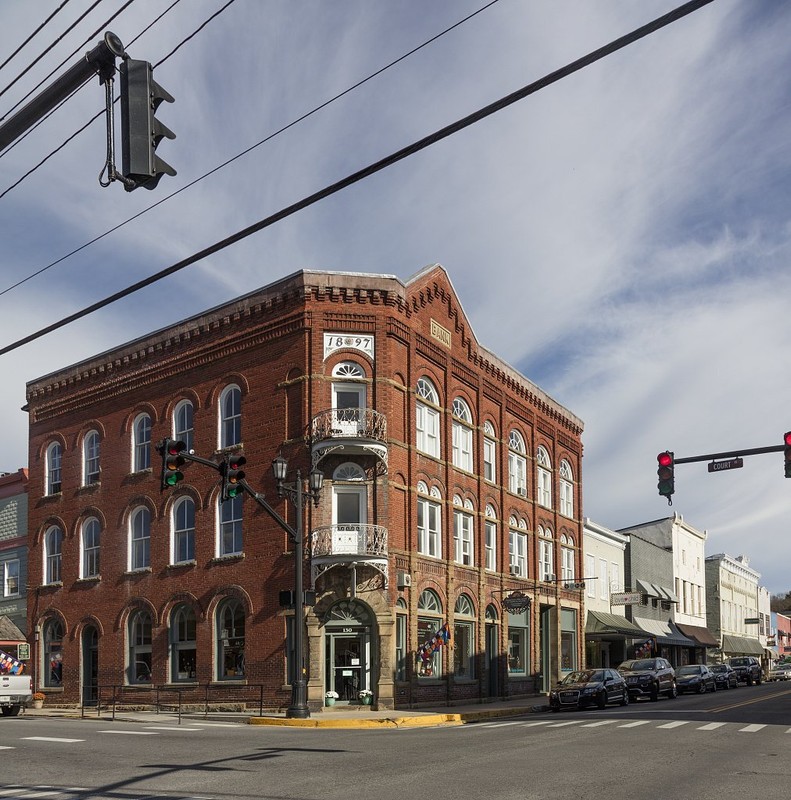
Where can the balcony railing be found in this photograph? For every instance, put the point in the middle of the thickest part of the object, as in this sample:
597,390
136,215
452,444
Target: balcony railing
344,423
349,540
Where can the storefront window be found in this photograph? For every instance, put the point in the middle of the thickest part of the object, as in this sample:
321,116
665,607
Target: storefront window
140,648
464,638
568,639
230,644
518,644
400,643
53,653
429,623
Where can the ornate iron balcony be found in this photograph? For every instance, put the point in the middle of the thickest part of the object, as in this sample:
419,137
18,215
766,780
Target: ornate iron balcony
341,542
355,431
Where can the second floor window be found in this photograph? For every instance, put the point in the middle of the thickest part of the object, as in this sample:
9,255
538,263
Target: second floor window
491,539
543,478
517,464
461,435
546,556
231,526
183,531
231,416
53,543
140,539
54,456
427,418
462,532
517,551
429,515
489,453
141,442
10,576
566,490
91,533
183,430
90,459
567,570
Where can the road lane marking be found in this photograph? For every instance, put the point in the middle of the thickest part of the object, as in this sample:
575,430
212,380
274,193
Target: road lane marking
751,728
563,724
636,723
504,724
49,739
711,726
677,724
132,733
600,723
173,728
759,699
218,724
7,747
536,724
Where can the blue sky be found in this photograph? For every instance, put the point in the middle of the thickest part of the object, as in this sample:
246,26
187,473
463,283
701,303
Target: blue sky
621,237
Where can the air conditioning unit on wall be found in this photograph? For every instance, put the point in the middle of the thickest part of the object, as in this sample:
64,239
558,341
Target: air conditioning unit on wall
514,569
403,580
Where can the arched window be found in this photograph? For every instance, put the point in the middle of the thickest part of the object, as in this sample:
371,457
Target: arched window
140,538
429,623
490,526
90,458
567,570
141,443
230,640
89,544
183,531
139,634
53,544
54,458
427,418
52,653
543,478
517,464
230,540
230,416
183,430
429,522
489,453
462,532
546,555
464,638
401,639
517,548
566,489
183,652
348,398
461,435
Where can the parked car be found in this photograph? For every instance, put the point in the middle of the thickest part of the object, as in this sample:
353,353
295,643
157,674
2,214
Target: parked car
747,669
649,677
780,672
724,676
589,687
15,692
695,678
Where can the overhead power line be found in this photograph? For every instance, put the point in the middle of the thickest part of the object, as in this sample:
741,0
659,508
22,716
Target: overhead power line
40,27
268,138
377,166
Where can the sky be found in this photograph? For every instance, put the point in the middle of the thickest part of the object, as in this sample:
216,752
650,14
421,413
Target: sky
621,237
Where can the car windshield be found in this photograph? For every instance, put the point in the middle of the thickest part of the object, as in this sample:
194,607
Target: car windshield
691,669
719,668
740,662
584,676
640,664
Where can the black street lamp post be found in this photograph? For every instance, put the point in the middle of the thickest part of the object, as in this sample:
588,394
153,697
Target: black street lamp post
297,494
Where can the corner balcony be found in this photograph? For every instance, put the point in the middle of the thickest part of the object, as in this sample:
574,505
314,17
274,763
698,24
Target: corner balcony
353,431
348,545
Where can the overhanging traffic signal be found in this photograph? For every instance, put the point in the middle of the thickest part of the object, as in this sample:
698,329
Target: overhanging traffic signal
232,475
666,479
787,452
141,131
172,462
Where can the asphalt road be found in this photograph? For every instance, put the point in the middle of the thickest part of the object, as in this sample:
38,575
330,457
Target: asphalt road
726,745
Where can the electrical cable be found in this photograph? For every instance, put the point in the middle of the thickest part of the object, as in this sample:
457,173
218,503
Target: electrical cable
377,166
244,152
48,19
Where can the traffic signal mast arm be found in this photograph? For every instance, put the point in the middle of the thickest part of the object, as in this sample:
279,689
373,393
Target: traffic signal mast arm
731,454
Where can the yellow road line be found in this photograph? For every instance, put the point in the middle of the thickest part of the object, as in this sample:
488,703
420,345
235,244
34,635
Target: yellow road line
752,700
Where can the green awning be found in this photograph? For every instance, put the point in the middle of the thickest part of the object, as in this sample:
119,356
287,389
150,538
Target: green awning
741,646
600,623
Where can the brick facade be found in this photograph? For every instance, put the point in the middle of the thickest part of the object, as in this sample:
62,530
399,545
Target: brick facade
292,378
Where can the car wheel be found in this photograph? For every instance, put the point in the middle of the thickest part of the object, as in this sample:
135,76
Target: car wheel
11,711
750,680
702,688
714,687
601,699
758,681
554,709
625,698
673,693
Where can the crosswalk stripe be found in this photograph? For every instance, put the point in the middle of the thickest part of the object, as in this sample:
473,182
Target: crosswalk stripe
563,724
132,733
711,726
7,747
50,739
535,724
504,724
173,728
600,723
636,723
676,724
12,790
751,728
217,724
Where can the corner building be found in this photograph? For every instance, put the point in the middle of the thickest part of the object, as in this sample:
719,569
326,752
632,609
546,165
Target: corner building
451,482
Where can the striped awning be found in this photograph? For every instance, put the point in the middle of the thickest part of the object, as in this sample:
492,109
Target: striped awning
741,645
665,632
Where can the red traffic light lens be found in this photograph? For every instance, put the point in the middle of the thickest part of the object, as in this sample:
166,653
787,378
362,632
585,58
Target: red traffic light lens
787,438
175,447
664,459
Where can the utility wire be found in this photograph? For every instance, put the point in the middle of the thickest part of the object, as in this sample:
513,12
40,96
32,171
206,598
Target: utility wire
65,60
394,158
238,155
194,33
65,2
62,102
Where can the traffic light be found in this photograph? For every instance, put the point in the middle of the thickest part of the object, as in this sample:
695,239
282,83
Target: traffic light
232,474
172,462
666,483
787,452
141,131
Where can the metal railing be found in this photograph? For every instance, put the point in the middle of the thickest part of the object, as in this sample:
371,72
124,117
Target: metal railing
169,698
344,423
358,540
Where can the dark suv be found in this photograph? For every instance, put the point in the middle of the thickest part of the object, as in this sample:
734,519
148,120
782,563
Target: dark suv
649,677
747,669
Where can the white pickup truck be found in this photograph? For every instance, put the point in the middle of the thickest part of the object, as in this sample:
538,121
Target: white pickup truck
15,691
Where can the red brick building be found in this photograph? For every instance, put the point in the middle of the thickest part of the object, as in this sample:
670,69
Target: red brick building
450,481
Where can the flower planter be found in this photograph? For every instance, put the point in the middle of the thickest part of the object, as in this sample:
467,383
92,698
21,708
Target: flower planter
38,704
329,701
366,701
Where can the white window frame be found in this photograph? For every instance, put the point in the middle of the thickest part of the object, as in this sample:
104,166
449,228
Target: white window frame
517,552
543,478
463,537
490,539
139,523
11,573
182,534
53,555
546,555
141,443
604,580
429,522
430,615
184,423
517,464
54,468
427,419
461,435
230,513
464,639
489,453
567,570
566,490
229,420
91,464
590,572
90,543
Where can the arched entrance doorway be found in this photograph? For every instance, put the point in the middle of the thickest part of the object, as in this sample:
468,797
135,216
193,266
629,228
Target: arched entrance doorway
90,665
348,644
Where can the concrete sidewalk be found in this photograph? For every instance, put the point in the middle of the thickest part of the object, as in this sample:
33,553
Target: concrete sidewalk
348,717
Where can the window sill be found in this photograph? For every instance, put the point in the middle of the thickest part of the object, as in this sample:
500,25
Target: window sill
189,684
140,472
231,681
88,487
51,689
132,573
53,585
91,579
225,559
179,564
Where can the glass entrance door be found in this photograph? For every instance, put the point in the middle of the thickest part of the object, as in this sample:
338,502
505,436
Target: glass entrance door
347,665
90,666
